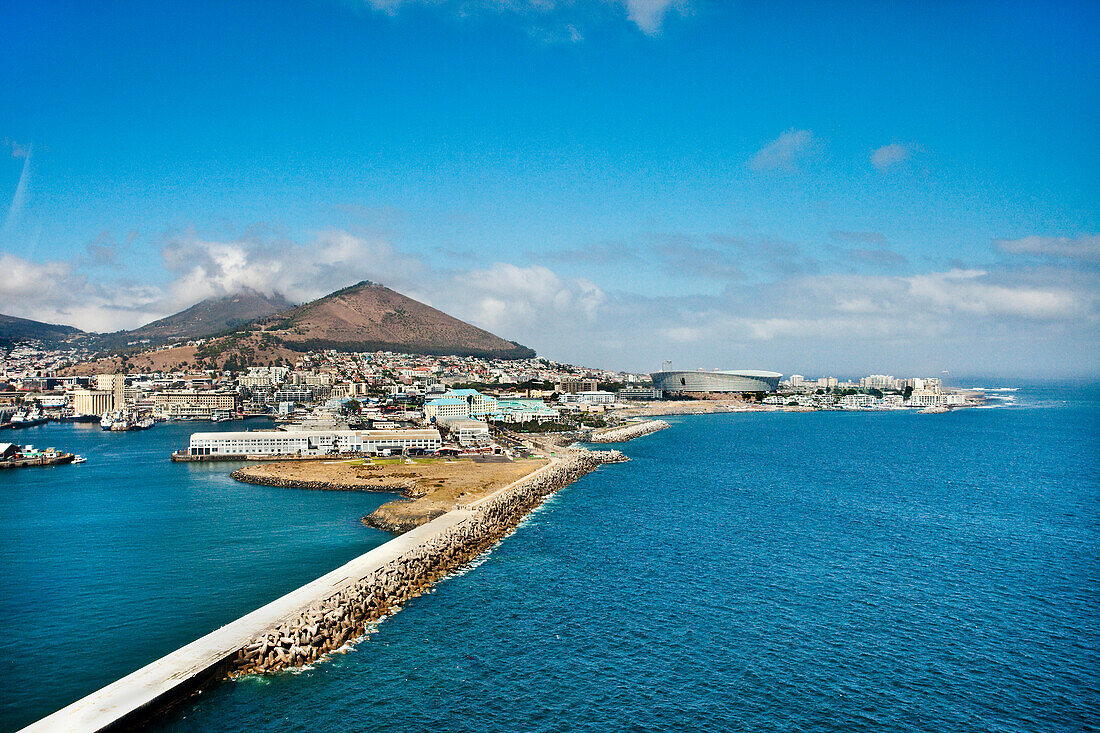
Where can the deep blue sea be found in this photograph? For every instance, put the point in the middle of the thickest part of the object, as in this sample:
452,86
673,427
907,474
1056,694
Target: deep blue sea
109,565
764,572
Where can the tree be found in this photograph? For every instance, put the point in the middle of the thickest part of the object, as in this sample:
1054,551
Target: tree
907,392
352,406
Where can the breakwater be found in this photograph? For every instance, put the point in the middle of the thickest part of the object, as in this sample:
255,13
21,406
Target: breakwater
330,623
628,432
323,615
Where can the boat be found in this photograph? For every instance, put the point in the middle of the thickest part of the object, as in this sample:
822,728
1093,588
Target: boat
79,459
69,415
126,419
24,456
28,418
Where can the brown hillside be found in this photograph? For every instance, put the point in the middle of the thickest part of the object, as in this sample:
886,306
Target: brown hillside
363,317
213,315
371,317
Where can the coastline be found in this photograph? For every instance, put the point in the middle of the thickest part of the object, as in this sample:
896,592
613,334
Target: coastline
325,615
624,433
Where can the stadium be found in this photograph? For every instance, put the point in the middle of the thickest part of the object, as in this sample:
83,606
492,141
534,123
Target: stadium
740,380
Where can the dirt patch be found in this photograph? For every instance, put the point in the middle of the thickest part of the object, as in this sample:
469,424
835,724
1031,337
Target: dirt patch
432,486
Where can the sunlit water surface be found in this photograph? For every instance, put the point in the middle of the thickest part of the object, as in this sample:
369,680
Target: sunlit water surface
768,571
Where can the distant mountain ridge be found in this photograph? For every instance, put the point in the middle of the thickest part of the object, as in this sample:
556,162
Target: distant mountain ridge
213,316
362,317
14,329
371,317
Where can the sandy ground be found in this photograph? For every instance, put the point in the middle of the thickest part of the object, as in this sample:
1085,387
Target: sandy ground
434,486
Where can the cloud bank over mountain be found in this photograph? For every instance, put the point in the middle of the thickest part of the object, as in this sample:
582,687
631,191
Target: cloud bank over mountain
793,313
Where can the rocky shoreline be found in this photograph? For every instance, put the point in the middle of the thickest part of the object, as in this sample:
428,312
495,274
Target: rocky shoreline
329,624
628,432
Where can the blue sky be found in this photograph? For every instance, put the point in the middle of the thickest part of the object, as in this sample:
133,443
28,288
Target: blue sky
805,187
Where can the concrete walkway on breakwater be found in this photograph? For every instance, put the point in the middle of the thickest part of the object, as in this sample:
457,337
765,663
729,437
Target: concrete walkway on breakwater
134,698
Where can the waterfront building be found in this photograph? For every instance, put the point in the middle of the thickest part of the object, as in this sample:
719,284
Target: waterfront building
857,402
733,381
446,408
524,410
879,381
92,401
589,398
466,431
267,376
191,403
639,393
931,384
116,385
312,442
928,398
293,394
572,386
479,405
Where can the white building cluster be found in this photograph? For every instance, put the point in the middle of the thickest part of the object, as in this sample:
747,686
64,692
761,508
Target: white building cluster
313,442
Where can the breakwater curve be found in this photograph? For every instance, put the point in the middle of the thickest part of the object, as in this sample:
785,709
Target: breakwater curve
322,616
628,432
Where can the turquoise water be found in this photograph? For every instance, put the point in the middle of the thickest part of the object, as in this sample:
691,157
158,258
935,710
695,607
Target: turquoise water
822,571
113,563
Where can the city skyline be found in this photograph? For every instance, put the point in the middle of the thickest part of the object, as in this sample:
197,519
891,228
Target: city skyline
611,183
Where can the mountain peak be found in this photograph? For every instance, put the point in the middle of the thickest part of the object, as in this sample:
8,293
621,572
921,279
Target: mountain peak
213,315
368,316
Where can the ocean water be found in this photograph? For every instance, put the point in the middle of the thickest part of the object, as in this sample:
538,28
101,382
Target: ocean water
758,572
111,564
766,571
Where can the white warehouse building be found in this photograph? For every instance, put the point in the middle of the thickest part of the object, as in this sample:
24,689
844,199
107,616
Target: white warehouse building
312,442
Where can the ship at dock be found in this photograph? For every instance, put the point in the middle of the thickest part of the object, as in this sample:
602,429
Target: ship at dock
24,456
125,419
28,418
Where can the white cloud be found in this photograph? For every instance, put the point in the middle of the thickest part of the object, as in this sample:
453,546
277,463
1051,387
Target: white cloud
647,15
1084,249
997,319
330,261
969,291
18,150
23,279
683,334
890,155
786,151
996,322
504,298
54,293
509,298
